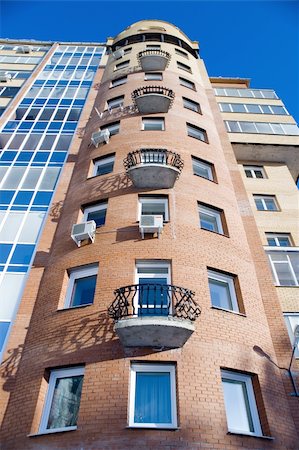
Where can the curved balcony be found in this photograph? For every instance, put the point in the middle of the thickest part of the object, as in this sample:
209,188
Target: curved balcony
153,168
154,315
153,99
153,60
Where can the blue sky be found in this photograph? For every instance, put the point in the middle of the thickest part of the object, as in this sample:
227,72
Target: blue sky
257,39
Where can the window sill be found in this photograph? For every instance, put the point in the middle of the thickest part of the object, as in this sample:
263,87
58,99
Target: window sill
74,307
215,232
229,311
201,140
234,433
213,181
133,427
43,433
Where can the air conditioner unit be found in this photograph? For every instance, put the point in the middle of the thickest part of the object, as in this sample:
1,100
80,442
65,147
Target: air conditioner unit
23,49
5,76
151,224
99,137
118,54
84,230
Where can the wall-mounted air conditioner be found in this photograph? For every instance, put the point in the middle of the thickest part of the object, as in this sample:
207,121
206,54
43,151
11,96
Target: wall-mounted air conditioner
23,49
5,76
84,230
118,54
100,137
151,224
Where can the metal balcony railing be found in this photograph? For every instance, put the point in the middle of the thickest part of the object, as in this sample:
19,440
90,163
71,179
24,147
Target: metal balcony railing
153,90
153,156
154,300
154,53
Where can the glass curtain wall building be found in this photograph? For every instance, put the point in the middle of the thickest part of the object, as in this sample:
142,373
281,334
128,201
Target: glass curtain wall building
34,142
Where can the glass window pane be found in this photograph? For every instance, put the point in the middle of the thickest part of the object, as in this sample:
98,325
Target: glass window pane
253,108
14,177
11,226
11,288
284,274
202,169
259,204
31,227
32,178
263,128
238,107
208,222
152,398
4,327
237,406
152,209
22,254
65,403
270,204
220,294
247,127
233,126
49,179
98,216
83,291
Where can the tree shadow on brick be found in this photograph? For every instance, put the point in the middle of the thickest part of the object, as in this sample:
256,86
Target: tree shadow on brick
9,366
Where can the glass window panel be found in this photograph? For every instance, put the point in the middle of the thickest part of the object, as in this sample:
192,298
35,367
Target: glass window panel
284,274
259,204
48,141
32,142
187,83
11,226
154,208
103,167
22,254
233,126
13,178
202,169
42,198
46,114
152,398
237,406
265,109
247,127
220,294
49,179
65,402
238,107
263,128
83,291
4,252
63,143
74,115
153,124
4,327
3,171
278,109
31,227
232,92
277,129
190,104
253,108
290,129
17,141
153,76
32,178
270,204
294,259
23,198
196,132
225,107
208,222
11,289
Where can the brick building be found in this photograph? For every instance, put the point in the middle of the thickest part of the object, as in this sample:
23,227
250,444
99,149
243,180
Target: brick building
153,322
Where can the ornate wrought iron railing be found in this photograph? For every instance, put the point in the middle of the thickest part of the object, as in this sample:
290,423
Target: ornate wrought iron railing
154,52
154,300
153,156
147,90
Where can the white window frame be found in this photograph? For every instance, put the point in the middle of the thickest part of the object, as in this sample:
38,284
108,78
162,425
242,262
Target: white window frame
153,368
121,65
247,379
184,67
77,274
209,211
187,83
291,329
54,375
110,126
262,198
115,102
152,120
180,52
229,280
148,76
282,250
252,170
193,105
206,165
122,79
276,237
97,207
143,199
100,162
197,132
153,46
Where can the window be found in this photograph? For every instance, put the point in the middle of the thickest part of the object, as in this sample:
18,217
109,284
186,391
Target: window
97,213
152,277
240,405
122,65
257,93
279,240
285,267
222,291
153,47
112,127
265,202
153,76
127,50
252,108
153,396
115,102
118,81
190,104
288,129
181,53
81,288
210,218
63,400
254,172
187,83
202,168
183,67
196,132
155,123
103,165
292,320
156,206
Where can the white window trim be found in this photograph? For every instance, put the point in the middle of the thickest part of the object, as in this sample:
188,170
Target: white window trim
147,76
229,280
163,200
153,368
55,374
252,170
288,262
121,65
247,379
76,274
187,83
115,102
193,103
276,237
89,209
100,162
262,198
152,120
212,213
124,79
206,165
291,331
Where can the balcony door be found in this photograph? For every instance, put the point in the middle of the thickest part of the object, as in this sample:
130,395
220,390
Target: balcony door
153,294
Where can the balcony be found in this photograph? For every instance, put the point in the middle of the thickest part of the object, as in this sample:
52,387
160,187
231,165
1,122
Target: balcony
153,60
153,168
153,99
154,315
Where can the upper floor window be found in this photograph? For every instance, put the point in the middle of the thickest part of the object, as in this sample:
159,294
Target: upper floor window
196,132
180,52
265,202
153,123
153,76
202,168
210,218
252,108
222,290
153,46
96,212
112,127
103,165
183,67
118,81
81,288
292,321
187,83
154,206
279,240
62,404
285,267
115,102
288,129
240,403
127,50
255,93
254,172
191,104
122,65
